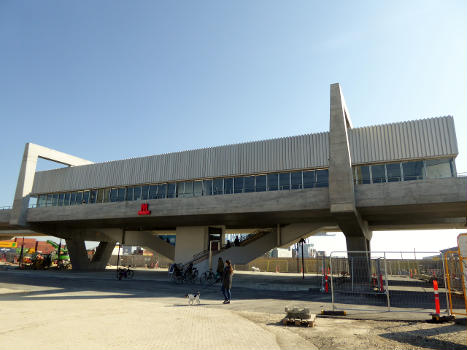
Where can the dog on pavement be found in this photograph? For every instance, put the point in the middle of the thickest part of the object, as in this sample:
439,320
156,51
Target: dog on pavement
193,298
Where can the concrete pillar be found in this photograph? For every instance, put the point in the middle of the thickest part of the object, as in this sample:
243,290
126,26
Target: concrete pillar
102,255
79,256
191,240
341,186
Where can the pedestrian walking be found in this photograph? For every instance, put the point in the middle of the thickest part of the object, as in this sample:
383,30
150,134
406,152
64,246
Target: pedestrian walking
227,281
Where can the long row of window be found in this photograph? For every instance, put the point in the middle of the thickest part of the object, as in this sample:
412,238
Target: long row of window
404,171
229,185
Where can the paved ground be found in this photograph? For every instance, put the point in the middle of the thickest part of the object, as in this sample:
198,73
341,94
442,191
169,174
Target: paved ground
71,310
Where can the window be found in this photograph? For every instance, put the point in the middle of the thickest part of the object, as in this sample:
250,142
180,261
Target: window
86,197
272,182
296,180
73,198
238,184
152,192
54,199
362,174
161,191
412,170
284,181
260,183
218,186
228,185
188,189
66,201
171,190
121,194
249,184
438,168
378,173
42,201
207,187
129,194
322,178
113,194
394,172
198,188
93,196
309,179
79,197
144,192
137,193
60,199
106,195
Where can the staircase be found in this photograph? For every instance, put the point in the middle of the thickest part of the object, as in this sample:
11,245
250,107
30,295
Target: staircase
256,245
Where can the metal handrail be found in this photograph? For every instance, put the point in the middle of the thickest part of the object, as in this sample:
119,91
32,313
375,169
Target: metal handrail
6,207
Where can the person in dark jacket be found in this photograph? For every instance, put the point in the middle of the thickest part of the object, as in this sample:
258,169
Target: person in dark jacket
227,281
220,269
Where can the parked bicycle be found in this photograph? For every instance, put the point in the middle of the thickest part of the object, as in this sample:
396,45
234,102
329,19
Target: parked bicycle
125,272
209,278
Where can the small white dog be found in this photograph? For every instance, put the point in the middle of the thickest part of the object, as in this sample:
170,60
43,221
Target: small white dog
255,269
193,298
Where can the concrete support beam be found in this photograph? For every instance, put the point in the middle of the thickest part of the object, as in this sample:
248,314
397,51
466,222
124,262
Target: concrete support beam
26,177
79,256
148,240
190,241
341,185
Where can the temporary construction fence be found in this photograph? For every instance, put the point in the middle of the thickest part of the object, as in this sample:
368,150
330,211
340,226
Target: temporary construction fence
387,281
287,265
455,282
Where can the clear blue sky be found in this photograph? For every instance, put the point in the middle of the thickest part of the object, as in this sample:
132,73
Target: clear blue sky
114,79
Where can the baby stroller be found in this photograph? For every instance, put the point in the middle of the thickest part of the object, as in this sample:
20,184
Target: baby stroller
176,273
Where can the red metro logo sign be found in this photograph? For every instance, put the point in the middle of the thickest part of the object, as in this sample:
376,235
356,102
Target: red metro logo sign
144,209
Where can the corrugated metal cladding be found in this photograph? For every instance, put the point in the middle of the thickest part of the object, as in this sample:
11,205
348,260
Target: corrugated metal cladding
407,140
297,152
382,143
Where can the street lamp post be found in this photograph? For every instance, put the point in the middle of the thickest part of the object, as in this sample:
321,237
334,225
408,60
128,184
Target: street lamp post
302,241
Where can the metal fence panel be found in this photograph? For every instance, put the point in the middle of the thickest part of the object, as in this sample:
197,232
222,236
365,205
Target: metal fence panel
387,281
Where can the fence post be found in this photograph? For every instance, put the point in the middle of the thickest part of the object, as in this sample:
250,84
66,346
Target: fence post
332,286
387,283
448,308
351,264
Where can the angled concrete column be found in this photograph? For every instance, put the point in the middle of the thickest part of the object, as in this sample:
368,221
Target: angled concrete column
148,240
102,256
341,186
79,256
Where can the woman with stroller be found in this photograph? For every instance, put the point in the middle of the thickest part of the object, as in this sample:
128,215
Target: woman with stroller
227,281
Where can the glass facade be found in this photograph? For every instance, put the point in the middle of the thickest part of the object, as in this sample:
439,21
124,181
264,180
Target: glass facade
404,171
284,181
185,189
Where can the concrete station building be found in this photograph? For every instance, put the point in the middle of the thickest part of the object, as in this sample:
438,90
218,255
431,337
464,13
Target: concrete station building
355,180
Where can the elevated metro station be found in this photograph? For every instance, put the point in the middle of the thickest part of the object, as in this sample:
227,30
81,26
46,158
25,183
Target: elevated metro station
355,180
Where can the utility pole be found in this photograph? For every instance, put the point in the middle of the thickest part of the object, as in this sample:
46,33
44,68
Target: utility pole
302,241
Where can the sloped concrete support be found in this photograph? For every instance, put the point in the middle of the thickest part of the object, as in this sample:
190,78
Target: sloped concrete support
79,256
148,240
341,187
102,255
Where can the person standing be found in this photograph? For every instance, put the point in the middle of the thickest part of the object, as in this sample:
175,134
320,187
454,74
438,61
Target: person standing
227,281
220,269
